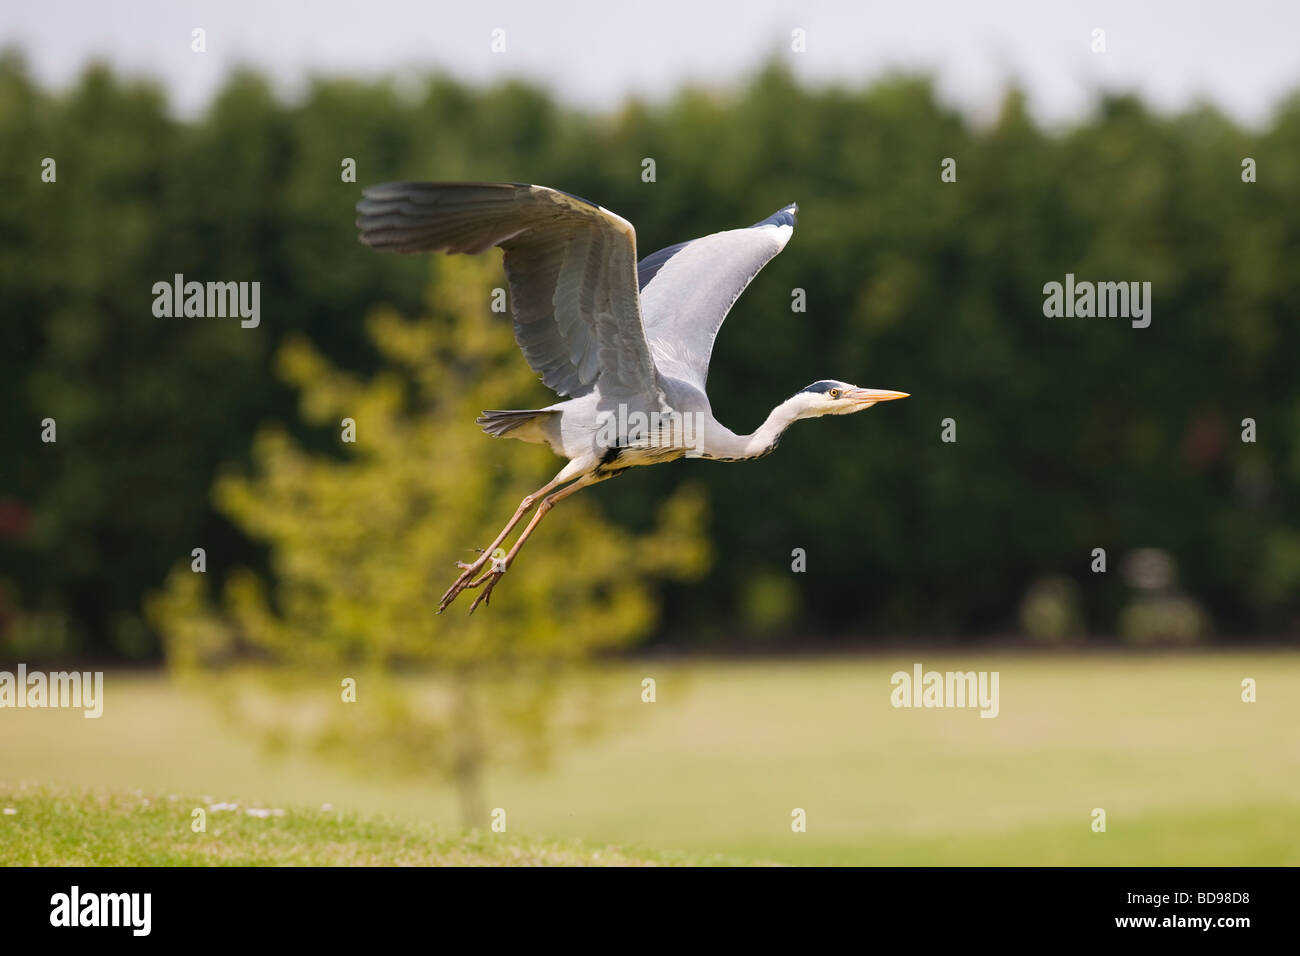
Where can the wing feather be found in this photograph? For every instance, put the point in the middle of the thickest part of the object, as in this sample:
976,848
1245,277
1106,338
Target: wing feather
688,289
571,265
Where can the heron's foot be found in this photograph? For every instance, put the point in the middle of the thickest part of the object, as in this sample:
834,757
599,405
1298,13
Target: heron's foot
491,579
467,576
461,583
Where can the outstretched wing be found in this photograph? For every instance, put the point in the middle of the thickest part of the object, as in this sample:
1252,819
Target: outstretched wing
571,266
688,289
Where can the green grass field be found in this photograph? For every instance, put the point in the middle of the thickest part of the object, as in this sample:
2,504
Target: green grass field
1187,773
52,826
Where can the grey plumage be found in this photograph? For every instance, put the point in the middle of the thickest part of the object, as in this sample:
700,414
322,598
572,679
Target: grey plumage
570,263
686,295
500,423
619,340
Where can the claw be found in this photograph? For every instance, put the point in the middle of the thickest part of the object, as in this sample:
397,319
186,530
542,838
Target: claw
486,597
457,586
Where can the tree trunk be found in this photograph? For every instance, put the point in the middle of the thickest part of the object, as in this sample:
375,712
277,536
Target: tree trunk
467,732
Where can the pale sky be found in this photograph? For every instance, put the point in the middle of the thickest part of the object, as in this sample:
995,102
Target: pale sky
1241,55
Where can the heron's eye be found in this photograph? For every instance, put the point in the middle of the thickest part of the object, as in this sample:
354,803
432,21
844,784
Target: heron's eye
834,393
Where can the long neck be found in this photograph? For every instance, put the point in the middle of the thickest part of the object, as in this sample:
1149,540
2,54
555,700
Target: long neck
725,445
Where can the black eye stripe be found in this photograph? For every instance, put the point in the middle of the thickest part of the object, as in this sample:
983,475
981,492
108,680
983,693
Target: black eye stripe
823,386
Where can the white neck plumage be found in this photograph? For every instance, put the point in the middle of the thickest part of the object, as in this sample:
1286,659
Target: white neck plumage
725,445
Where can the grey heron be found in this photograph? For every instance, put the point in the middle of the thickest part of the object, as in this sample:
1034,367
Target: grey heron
625,344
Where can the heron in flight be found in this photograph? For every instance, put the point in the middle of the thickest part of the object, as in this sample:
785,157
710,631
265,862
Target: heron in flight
625,344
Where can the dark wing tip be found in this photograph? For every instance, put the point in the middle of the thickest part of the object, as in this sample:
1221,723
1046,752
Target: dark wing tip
403,188
413,217
563,192
421,195
785,216
407,217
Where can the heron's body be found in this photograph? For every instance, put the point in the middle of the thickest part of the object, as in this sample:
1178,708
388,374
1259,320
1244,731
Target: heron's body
572,431
626,345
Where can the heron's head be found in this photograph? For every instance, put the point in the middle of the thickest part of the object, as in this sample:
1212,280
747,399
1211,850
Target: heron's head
829,397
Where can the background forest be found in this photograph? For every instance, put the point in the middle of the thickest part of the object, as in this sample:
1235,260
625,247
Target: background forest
1072,434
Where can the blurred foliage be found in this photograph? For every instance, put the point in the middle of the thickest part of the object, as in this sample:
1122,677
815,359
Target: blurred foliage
1073,433
1168,619
1159,613
1049,613
362,542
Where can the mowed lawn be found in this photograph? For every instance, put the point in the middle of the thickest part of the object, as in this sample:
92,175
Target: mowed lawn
1186,772
65,826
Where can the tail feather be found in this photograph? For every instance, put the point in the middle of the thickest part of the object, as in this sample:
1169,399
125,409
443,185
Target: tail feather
501,423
